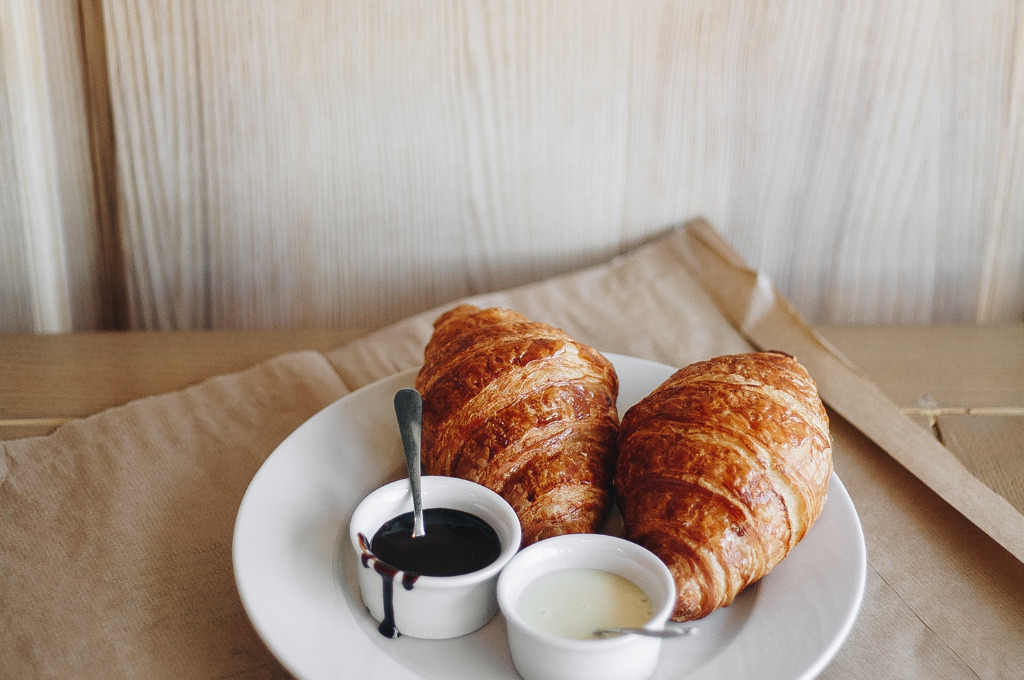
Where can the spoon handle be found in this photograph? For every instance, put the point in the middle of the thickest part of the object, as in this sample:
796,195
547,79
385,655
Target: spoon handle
667,632
409,410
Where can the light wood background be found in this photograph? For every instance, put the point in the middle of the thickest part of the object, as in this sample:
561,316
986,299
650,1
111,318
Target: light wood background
189,164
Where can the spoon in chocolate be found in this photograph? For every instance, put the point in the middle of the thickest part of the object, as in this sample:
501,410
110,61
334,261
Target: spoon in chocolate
409,410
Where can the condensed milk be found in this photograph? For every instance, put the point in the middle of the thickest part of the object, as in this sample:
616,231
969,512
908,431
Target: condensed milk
573,603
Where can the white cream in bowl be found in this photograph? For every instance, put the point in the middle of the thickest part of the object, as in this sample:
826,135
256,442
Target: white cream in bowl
580,577
573,603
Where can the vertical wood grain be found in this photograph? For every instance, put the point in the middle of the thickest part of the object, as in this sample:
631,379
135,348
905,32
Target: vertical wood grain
850,150
111,264
36,205
151,56
346,163
14,276
48,223
363,160
1002,289
322,164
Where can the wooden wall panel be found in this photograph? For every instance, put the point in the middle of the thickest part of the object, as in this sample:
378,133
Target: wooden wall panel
854,151
321,164
15,277
49,255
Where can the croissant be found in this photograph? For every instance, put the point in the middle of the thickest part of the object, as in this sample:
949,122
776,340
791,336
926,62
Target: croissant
525,410
722,470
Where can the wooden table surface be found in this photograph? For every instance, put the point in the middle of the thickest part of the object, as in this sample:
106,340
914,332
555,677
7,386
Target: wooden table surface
965,382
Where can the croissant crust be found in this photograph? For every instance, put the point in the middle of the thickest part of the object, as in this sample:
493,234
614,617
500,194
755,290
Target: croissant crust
722,470
524,409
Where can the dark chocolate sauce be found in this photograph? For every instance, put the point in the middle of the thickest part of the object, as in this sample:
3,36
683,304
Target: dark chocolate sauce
456,543
387,573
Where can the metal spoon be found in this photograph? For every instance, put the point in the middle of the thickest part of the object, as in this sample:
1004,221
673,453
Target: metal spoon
669,632
409,409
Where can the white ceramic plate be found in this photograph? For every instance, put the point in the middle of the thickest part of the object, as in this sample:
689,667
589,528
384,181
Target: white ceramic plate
295,569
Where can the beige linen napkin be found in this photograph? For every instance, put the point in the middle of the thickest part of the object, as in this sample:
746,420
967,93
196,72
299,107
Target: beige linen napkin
115,531
115,551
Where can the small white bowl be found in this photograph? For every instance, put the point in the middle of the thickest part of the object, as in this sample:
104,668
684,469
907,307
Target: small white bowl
437,606
538,655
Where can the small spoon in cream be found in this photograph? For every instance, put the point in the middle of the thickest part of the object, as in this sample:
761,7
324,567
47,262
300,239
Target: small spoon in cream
669,632
409,410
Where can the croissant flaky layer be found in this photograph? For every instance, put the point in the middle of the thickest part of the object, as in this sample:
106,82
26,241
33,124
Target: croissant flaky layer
524,409
722,470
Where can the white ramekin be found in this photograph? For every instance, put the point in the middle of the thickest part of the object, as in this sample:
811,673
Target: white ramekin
542,656
437,606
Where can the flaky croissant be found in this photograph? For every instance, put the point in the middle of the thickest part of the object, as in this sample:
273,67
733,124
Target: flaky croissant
523,409
722,470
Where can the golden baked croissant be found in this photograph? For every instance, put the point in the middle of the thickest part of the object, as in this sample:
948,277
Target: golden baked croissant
523,409
722,469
